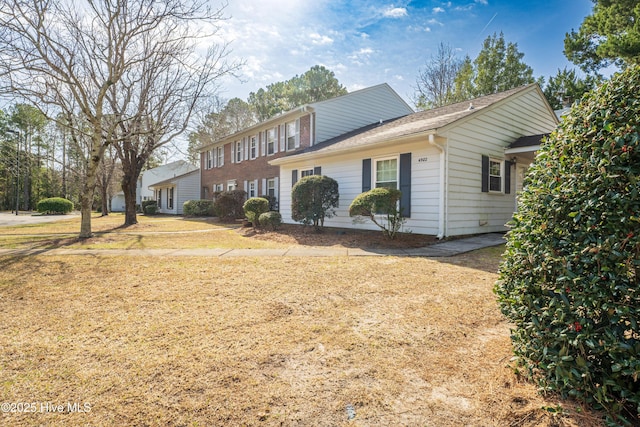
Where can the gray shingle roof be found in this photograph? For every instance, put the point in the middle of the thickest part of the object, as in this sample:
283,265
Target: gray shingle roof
405,126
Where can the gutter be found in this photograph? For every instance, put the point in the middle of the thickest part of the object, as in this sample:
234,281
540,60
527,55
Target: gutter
442,203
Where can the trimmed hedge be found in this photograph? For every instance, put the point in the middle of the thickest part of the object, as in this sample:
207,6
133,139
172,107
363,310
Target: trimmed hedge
271,219
313,199
55,205
198,208
151,209
570,280
254,207
228,204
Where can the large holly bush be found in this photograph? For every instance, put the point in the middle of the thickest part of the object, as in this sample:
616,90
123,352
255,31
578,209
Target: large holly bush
313,199
569,279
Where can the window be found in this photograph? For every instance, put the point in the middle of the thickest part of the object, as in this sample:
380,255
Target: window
170,198
209,159
205,192
253,147
271,141
495,175
386,173
159,198
231,185
218,188
291,130
219,157
238,145
307,172
251,189
271,187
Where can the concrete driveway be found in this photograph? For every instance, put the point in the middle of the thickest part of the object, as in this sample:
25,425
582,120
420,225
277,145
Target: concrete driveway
8,219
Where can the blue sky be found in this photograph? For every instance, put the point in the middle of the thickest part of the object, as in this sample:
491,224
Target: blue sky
366,42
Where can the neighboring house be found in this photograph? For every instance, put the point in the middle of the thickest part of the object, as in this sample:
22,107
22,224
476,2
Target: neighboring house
149,177
171,194
453,164
241,161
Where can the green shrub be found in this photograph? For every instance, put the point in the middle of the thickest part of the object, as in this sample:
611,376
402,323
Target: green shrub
273,202
570,277
146,203
254,207
198,208
55,205
151,209
228,204
270,219
313,199
380,205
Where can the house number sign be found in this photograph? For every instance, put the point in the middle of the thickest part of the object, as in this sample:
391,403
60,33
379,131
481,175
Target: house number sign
422,159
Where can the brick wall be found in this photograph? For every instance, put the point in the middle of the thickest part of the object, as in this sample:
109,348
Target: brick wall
250,170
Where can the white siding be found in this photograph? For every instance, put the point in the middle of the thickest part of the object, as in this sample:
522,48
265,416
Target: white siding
343,114
469,210
347,170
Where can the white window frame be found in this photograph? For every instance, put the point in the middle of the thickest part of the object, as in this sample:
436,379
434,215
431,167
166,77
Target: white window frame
374,178
170,193
292,141
237,152
253,147
500,164
209,160
251,189
272,143
232,185
218,188
271,187
306,172
219,157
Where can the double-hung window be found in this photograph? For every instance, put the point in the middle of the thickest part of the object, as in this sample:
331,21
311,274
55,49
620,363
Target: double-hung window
495,175
209,159
271,141
307,172
292,137
219,156
252,189
386,173
253,147
170,198
271,187
238,154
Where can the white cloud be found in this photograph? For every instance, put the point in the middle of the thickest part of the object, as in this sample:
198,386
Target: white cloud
438,10
434,21
427,29
395,12
317,39
484,2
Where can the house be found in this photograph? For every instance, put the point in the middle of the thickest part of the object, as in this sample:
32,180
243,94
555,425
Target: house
149,177
454,165
241,161
171,193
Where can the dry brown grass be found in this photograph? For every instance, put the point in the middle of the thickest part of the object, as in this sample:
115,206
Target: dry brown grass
263,342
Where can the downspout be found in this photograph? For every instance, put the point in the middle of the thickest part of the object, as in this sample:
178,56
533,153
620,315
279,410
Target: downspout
442,206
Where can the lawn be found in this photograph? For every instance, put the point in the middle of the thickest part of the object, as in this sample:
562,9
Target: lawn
260,341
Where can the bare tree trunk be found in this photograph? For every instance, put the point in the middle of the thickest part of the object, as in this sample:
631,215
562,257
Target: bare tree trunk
88,188
129,188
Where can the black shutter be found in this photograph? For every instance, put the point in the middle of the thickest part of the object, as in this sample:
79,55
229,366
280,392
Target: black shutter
405,184
317,170
366,175
485,174
294,177
507,177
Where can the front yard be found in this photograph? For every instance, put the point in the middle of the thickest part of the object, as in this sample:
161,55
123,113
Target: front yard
260,341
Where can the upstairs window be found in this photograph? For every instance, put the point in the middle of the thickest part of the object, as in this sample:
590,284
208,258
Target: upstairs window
292,136
271,141
253,148
219,157
238,150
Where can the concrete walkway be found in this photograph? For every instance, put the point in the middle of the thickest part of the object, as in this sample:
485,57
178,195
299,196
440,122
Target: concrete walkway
443,249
